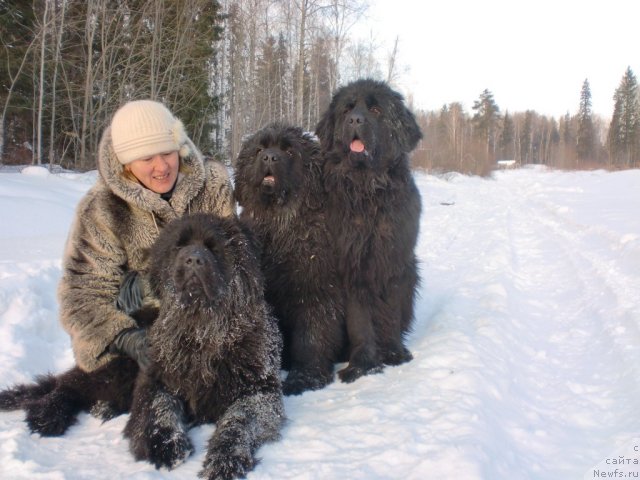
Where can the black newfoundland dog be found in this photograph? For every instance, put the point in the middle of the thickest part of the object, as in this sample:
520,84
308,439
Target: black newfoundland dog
278,184
215,351
215,356
373,209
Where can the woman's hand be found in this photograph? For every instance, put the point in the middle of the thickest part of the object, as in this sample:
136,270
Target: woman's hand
133,343
131,293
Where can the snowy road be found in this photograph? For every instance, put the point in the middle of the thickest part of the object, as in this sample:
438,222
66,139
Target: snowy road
526,343
543,285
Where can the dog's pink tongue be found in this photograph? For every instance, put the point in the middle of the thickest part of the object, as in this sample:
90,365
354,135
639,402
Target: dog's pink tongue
269,179
357,146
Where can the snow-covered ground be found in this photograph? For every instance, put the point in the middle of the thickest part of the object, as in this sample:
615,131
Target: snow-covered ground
526,343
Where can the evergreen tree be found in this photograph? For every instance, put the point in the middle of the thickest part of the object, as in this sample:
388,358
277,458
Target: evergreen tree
585,141
553,142
266,79
485,120
566,132
17,24
283,91
507,137
624,129
526,138
96,55
615,142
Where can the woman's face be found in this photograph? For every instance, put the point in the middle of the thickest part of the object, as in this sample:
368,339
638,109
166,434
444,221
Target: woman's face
158,173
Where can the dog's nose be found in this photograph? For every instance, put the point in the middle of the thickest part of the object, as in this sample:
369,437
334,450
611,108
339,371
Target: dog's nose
194,258
269,157
355,118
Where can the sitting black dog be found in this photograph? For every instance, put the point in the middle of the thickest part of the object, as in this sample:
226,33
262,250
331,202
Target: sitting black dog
279,186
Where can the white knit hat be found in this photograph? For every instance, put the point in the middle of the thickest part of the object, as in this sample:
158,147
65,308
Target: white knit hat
144,128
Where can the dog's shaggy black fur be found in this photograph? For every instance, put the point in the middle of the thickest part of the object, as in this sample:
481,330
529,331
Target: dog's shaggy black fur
215,351
278,180
215,354
374,212
53,402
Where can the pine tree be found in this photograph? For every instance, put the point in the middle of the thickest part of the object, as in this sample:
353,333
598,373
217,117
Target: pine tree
624,129
485,120
526,136
585,141
17,24
507,137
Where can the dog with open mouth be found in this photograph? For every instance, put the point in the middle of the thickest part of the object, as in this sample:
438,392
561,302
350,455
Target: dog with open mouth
278,184
373,210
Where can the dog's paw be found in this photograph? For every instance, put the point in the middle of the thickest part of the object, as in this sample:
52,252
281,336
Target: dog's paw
351,372
169,448
227,465
16,397
397,356
299,381
104,410
10,399
48,416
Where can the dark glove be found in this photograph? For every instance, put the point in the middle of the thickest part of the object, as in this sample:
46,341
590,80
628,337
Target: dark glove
133,343
131,293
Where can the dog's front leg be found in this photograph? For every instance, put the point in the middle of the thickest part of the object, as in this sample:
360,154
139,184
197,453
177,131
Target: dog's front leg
248,423
363,352
157,427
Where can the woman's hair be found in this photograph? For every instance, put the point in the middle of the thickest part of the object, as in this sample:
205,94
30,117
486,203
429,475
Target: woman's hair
127,174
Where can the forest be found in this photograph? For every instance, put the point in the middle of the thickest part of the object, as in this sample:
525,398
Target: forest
226,68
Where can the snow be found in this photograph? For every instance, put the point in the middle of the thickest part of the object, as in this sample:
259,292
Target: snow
526,342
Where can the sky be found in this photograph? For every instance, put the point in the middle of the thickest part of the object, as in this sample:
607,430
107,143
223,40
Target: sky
526,343
530,54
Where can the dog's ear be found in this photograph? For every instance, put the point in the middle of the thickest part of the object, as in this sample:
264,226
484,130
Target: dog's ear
325,128
309,144
410,133
413,133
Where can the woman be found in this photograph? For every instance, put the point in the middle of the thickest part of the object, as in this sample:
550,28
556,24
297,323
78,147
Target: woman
150,173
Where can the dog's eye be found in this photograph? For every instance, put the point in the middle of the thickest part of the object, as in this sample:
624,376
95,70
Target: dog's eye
258,150
375,110
290,152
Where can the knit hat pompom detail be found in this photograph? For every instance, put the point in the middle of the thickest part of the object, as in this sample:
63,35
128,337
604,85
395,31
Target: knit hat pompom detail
144,128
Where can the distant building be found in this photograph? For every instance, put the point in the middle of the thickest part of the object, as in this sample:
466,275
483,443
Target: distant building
506,163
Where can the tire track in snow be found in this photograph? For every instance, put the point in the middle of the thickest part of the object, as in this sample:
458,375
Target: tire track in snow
548,326
588,328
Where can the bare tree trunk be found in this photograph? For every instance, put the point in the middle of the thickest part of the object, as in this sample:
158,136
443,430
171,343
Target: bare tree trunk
156,48
56,62
391,70
90,29
344,14
299,101
43,39
5,108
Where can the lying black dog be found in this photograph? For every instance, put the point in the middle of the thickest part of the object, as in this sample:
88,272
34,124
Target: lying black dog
214,349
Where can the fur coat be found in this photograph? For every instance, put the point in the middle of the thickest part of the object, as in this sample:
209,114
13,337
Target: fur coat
115,224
